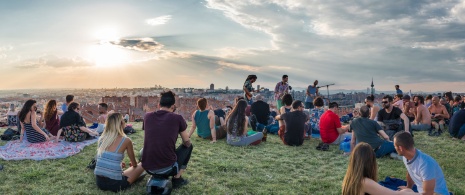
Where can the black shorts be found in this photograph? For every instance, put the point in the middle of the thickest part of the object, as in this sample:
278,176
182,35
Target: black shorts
107,184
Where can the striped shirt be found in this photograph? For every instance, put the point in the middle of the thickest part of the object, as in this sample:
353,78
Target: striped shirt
109,164
32,135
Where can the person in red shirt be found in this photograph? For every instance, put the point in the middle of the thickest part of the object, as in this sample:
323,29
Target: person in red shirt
331,130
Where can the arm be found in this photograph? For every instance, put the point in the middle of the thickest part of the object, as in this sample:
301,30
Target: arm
193,125
22,132
34,125
372,113
246,91
409,181
85,129
445,113
130,150
307,92
428,187
406,122
343,129
246,125
418,116
383,134
59,112
186,141
353,140
211,117
58,134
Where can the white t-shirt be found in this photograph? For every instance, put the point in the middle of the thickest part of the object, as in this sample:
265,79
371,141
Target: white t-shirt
424,168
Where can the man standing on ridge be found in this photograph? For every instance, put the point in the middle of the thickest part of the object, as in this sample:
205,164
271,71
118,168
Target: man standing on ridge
280,90
312,91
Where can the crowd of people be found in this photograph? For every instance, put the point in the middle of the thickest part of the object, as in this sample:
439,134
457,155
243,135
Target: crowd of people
375,132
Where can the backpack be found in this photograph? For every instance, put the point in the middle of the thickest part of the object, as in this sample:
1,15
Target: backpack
9,134
129,130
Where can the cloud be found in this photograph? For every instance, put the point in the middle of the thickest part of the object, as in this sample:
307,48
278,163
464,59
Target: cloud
52,61
243,67
158,20
151,46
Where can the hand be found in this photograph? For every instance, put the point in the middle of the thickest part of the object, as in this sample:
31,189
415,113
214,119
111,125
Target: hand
47,138
123,165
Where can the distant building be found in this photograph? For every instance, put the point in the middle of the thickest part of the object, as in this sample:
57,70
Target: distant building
212,86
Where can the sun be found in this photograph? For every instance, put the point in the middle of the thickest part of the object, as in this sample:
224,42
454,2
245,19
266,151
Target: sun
105,53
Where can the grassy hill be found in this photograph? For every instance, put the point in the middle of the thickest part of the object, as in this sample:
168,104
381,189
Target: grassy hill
269,168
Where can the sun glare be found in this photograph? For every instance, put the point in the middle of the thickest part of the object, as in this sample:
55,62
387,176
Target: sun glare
105,54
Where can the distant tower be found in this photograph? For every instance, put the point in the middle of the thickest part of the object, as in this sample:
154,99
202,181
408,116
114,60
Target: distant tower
258,87
212,86
372,87
227,88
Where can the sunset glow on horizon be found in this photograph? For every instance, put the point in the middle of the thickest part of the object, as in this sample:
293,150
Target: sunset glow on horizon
126,44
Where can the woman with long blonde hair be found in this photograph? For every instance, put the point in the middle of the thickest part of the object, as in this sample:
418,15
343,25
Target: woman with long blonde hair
51,119
362,174
110,154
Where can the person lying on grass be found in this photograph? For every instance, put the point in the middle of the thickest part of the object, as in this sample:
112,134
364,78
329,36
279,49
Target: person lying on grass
112,145
362,174
236,127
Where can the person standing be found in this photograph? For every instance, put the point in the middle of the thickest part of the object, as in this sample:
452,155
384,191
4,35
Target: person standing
280,90
312,91
248,89
64,106
398,91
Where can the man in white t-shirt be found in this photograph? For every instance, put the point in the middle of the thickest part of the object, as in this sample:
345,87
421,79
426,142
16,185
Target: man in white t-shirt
422,169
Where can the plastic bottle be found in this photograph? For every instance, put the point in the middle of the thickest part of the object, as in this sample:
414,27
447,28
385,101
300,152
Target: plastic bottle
345,145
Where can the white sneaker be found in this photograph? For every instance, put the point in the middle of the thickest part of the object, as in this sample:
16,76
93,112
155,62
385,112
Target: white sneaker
396,156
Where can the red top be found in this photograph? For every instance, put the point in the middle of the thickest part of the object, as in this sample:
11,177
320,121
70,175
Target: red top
329,122
53,125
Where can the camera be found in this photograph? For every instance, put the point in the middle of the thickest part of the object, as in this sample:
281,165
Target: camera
290,88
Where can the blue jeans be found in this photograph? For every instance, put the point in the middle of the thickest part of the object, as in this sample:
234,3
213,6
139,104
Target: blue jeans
309,105
421,127
386,148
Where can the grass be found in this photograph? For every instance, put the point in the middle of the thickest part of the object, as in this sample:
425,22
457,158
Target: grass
269,168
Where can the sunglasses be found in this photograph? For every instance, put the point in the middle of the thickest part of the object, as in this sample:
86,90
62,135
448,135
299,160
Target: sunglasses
384,102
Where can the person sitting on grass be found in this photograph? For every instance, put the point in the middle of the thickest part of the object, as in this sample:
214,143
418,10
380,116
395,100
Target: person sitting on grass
73,126
457,123
112,145
28,120
52,121
438,115
362,174
422,169
287,104
204,121
236,126
422,120
331,130
369,131
315,115
370,102
391,118
161,130
292,125
260,110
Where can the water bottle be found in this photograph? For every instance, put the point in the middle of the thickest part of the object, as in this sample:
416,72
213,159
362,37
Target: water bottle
345,145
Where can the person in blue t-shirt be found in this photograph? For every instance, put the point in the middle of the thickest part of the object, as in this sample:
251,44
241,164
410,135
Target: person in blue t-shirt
312,91
422,169
398,91
64,106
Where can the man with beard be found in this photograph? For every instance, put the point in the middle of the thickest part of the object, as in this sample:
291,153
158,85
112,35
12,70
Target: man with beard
374,109
391,118
422,120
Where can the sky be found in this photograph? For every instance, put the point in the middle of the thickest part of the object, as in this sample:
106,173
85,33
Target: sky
419,45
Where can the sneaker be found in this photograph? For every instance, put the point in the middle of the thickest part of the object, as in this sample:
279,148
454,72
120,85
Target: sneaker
396,156
178,182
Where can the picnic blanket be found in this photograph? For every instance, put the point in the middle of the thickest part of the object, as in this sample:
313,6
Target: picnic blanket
16,150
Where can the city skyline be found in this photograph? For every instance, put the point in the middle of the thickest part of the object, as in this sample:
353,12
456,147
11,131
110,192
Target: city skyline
108,44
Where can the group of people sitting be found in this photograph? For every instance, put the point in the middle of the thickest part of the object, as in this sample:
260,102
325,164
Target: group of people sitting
54,123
